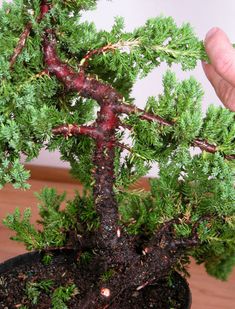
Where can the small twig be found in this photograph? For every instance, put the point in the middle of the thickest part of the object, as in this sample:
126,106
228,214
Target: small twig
196,224
126,126
230,157
131,109
45,7
123,46
49,249
85,60
20,45
123,146
204,145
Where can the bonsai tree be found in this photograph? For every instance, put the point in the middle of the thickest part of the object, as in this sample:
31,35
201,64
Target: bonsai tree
67,86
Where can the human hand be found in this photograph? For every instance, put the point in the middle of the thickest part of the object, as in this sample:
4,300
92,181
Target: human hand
221,70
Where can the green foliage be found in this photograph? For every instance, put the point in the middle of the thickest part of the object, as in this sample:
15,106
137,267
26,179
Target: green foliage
86,213
31,104
180,103
106,276
130,169
47,259
75,5
197,189
56,223
59,296
137,213
34,289
85,257
219,129
25,231
162,40
62,295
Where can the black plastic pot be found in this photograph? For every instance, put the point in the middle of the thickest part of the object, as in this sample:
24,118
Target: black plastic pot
33,257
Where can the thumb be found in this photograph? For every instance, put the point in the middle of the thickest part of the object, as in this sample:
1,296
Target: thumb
221,54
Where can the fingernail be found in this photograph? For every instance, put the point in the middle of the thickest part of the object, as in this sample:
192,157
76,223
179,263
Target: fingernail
211,32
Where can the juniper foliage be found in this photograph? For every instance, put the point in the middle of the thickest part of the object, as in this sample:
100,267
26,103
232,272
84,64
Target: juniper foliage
33,103
55,221
59,295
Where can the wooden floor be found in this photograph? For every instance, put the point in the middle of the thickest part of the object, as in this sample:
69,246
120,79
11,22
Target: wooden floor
208,293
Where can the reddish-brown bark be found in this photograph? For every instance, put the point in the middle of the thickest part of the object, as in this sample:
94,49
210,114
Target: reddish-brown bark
130,109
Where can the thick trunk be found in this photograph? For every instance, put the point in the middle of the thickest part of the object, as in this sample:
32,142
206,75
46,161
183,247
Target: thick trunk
104,198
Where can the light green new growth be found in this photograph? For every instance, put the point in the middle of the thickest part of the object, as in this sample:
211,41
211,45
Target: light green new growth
56,223
34,289
62,295
59,296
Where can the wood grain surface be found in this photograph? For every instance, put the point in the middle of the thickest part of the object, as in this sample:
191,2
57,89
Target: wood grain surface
208,293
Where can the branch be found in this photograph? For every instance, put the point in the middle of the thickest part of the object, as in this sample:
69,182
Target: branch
189,241
131,109
86,85
44,9
84,62
74,130
202,144
121,45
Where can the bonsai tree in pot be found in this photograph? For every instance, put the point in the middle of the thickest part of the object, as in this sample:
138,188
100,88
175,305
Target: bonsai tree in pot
67,86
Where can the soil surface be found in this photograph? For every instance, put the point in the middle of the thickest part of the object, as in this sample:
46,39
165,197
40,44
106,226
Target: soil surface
66,269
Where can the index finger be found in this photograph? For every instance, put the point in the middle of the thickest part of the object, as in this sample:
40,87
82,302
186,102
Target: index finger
221,54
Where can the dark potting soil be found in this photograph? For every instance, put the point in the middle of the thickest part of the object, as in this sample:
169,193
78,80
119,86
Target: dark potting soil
65,270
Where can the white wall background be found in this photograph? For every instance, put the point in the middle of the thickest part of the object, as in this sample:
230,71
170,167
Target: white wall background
201,14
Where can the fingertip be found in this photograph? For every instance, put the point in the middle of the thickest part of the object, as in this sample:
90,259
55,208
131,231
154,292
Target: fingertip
221,54
216,38
211,33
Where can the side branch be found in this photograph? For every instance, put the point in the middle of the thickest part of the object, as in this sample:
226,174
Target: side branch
20,45
45,7
84,62
202,144
130,109
86,85
123,46
74,130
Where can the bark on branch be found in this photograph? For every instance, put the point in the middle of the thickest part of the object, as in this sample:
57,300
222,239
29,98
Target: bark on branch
44,9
